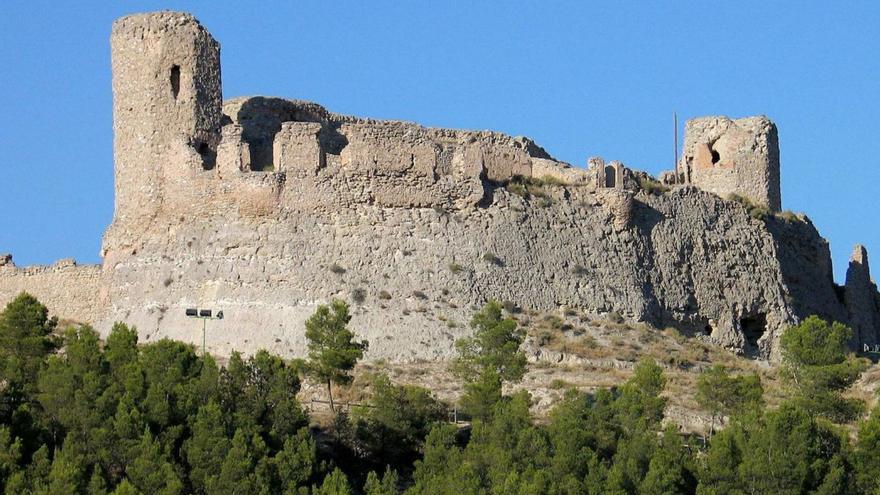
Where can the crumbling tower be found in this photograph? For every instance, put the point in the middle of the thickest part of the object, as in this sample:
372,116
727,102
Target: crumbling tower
167,108
729,157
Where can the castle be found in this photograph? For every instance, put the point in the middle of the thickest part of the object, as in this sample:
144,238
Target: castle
266,207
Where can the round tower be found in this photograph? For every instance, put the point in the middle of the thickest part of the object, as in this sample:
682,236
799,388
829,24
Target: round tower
167,107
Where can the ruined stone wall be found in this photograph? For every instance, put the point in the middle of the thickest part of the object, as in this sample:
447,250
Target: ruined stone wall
685,258
728,157
71,292
274,206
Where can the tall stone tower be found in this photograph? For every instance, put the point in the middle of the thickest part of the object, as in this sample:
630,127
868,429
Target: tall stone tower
167,108
739,156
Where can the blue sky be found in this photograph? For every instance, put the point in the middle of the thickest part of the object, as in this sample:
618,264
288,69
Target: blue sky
581,78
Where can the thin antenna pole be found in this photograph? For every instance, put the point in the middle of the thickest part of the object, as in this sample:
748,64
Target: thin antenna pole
675,142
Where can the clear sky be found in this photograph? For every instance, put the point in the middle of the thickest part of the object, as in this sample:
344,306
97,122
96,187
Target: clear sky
581,78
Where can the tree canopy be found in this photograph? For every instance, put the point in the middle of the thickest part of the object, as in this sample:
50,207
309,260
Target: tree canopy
120,417
333,352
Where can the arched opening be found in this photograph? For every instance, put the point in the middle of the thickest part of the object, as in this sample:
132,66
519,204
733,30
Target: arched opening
175,80
610,176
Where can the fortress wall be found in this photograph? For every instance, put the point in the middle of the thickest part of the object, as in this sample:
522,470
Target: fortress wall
70,291
684,258
300,205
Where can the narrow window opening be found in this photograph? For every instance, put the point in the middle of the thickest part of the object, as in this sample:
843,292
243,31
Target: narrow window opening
175,80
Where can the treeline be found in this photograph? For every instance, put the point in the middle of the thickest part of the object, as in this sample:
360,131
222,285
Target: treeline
78,415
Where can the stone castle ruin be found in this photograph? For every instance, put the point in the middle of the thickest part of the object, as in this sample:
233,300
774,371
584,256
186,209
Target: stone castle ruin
266,207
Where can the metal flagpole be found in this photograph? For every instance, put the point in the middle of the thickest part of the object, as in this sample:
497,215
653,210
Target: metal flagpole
675,142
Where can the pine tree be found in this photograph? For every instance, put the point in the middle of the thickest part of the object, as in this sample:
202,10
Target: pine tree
819,366
489,358
208,446
67,474
333,352
723,395
25,340
97,483
296,462
386,486
866,458
238,473
335,483
126,488
10,455
151,471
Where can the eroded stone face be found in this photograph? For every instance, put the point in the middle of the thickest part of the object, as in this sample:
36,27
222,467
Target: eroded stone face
861,300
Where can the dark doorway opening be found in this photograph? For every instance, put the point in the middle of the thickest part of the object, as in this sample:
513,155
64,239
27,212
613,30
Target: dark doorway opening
753,328
610,176
209,155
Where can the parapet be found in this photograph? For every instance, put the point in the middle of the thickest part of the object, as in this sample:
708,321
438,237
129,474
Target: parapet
733,157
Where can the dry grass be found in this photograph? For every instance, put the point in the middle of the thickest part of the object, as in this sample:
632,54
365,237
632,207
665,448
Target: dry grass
597,353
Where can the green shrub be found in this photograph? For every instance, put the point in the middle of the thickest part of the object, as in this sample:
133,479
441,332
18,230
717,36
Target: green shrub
650,185
757,212
559,383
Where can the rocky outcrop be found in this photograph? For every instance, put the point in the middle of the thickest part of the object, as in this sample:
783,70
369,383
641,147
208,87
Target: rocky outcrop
861,300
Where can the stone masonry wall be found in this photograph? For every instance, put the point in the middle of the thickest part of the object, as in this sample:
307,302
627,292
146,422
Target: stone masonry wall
70,291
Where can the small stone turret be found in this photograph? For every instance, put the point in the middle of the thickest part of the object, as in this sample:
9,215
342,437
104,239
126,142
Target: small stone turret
729,157
167,106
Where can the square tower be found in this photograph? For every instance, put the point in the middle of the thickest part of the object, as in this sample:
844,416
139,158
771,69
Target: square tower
726,157
167,106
